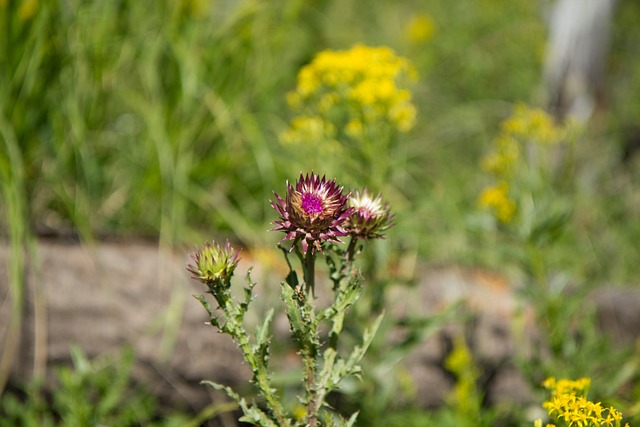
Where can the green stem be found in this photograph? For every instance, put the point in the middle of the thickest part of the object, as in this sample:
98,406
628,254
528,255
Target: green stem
351,251
312,392
260,374
309,272
309,355
309,348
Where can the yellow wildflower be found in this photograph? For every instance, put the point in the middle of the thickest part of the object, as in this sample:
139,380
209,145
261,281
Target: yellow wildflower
504,158
533,124
404,116
497,199
420,29
307,128
568,403
354,128
465,397
364,85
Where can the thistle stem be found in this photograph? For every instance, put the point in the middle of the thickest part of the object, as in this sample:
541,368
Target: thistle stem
260,374
309,273
312,393
351,250
309,346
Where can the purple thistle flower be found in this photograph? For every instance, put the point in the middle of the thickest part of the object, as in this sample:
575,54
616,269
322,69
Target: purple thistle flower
313,212
213,263
370,216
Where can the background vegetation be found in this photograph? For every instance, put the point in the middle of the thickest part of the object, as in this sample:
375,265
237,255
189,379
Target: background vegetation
162,119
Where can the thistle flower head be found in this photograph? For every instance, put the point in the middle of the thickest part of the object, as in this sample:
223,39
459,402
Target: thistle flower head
370,216
213,263
313,212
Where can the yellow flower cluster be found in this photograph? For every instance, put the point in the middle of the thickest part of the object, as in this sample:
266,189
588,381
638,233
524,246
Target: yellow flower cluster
465,396
351,91
525,125
533,124
568,404
506,161
497,199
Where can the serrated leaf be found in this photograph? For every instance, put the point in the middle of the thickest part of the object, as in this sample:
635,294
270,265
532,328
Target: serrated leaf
296,321
262,337
204,303
336,328
326,376
262,332
228,390
252,414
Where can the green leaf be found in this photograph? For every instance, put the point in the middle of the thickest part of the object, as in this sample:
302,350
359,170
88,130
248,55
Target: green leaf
252,414
294,314
359,351
262,332
550,228
248,297
263,339
352,419
204,303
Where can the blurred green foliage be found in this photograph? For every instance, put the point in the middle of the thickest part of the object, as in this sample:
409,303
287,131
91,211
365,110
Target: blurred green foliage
92,392
119,106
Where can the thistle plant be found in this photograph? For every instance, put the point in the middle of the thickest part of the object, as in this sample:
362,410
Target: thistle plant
315,215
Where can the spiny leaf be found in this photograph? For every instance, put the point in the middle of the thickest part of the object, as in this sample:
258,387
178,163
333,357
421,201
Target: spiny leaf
252,414
204,303
261,347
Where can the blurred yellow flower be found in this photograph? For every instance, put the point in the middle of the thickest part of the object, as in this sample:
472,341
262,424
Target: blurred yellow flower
420,29
307,128
497,199
504,158
533,124
355,89
354,128
465,397
28,8
524,156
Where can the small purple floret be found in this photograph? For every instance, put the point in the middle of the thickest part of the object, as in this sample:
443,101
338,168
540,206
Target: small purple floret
311,204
